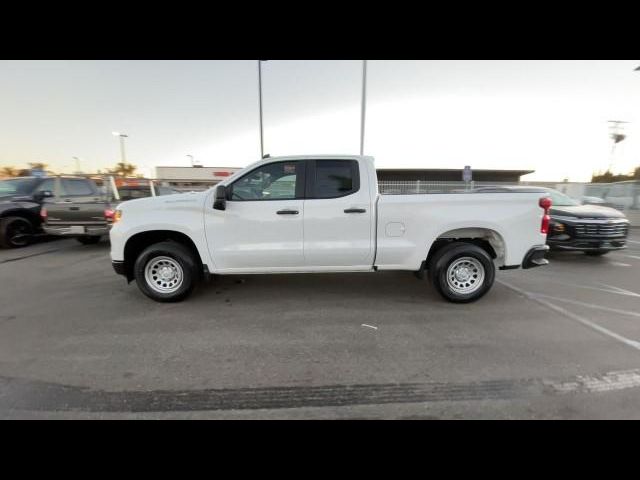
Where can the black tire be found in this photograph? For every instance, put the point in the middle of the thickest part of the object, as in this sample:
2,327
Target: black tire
15,232
447,256
596,253
177,253
88,239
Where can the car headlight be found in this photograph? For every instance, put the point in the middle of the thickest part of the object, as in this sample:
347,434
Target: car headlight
558,227
117,216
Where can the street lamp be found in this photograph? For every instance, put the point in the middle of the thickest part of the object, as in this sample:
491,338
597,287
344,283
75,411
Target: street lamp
122,137
191,158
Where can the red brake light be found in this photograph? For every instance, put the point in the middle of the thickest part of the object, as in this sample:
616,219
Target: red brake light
545,202
108,214
43,214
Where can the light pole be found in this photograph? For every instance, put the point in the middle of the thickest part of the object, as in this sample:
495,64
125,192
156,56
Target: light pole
77,164
190,158
122,136
260,106
363,105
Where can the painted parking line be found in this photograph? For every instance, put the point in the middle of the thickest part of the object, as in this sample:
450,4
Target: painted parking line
588,305
566,313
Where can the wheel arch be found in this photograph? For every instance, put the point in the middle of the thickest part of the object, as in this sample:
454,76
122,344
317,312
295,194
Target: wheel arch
488,239
138,242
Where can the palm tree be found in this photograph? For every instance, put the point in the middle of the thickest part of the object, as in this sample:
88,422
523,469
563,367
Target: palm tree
123,169
9,172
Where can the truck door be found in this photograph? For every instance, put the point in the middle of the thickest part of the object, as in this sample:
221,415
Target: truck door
337,215
261,228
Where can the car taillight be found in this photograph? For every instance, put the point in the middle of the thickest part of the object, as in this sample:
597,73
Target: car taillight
545,203
109,214
43,214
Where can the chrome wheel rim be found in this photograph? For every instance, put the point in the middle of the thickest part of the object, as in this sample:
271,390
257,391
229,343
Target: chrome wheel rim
465,275
163,274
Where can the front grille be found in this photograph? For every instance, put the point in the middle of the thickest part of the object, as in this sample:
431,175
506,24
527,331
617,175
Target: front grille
601,230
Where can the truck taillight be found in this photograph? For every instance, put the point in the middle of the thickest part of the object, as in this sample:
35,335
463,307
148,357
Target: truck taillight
43,214
545,203
109,214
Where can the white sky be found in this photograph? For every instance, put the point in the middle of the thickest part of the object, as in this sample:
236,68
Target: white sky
550,116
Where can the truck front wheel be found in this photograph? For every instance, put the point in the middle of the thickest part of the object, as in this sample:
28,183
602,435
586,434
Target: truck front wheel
462,272
166,272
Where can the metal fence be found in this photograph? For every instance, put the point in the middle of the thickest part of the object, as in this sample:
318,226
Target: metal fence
395,187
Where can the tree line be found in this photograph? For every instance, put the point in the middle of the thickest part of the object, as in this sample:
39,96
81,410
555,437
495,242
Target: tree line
608,176
120,169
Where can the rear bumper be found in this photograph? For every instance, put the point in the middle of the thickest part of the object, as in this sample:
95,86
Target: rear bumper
535,257
66,230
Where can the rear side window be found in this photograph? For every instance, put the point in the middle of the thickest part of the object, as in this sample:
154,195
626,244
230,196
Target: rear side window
77,187
335,178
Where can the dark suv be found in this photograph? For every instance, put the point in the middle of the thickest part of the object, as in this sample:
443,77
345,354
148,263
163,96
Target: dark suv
592,229
20,201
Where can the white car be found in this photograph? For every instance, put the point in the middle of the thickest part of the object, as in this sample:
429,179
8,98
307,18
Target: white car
308,214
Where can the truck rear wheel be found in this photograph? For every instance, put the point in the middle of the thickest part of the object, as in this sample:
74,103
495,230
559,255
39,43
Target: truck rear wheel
166,272
15,232
462,272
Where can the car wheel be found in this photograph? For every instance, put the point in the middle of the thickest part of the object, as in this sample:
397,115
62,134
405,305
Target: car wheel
15,232
166,272
596,253
462,272
89,239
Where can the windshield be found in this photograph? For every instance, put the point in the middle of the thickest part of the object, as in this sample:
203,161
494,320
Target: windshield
561,200
17,186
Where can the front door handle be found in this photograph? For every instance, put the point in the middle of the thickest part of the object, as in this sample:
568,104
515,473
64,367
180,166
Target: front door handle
287,212
355,210
74,208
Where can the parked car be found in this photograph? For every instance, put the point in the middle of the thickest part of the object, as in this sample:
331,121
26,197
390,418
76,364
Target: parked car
592,229
324,214
20,201
78,208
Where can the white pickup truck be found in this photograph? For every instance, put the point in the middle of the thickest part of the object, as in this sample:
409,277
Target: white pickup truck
308,214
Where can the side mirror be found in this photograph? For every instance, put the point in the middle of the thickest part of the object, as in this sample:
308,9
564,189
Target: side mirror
220,202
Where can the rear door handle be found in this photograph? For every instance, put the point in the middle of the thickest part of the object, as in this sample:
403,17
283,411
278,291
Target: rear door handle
287,212
355,210
74,208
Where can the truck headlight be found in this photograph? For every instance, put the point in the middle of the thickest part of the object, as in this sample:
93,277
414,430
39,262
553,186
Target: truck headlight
558,227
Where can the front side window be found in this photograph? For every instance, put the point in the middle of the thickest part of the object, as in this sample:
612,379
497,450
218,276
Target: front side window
335,178
274,181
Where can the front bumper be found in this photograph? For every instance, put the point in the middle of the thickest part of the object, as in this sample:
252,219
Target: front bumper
68,231
588,234
535,257
118,266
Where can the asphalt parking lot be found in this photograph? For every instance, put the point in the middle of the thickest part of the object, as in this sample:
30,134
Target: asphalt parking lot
76,341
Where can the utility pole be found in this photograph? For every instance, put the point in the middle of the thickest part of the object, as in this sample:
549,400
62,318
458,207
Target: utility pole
123,157
363,105
260,106
616,132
